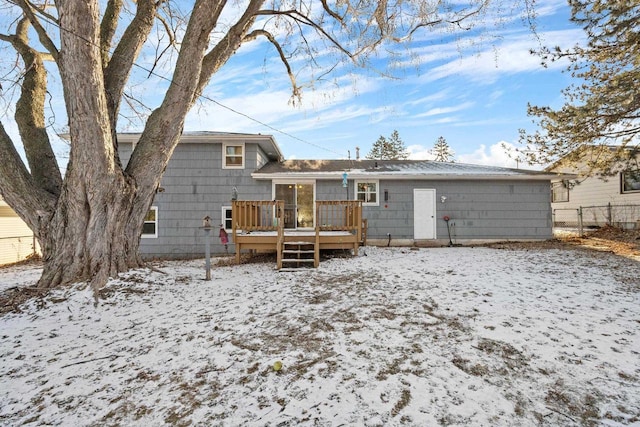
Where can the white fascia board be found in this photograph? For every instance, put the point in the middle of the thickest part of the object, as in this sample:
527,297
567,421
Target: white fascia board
204,138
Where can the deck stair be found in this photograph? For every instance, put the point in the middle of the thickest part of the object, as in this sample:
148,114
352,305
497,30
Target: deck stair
258,225
298,254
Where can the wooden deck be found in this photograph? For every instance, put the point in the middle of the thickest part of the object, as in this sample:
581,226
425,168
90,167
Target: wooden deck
258,225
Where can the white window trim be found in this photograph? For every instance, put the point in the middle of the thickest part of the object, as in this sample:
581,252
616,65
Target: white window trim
564,186
224,154
622,183
224,218
367,181
155,235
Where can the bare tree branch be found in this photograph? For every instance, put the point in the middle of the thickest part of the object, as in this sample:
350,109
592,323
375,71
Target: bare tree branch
17,187
226,47
30,113
305,20
332,13
108,28
257,33
119,66
172,42
28,9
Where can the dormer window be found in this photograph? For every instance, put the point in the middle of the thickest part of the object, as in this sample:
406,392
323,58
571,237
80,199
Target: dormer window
233,156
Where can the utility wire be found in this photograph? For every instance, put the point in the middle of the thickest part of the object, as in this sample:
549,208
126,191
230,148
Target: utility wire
170,80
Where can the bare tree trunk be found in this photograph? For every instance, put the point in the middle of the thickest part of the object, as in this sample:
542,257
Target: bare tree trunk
87,239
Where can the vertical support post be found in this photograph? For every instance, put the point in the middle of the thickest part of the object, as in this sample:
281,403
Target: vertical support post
206,226
580,231
609,215
207,253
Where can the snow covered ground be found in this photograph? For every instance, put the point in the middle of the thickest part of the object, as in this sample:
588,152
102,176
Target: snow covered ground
438,336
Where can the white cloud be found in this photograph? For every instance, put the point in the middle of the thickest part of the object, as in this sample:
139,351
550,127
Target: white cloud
495,155
420,152
445,110
506,58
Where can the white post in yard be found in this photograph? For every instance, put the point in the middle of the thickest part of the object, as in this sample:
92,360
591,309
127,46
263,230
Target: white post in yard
206,226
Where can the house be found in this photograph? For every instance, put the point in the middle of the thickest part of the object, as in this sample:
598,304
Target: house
593,200
16,238
242,182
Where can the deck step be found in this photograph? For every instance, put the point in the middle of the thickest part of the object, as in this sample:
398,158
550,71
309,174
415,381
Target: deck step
298,260
297,254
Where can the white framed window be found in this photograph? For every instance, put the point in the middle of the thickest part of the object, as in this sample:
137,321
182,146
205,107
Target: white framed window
232,156
559,192
150,226
368,192
630,181
227,218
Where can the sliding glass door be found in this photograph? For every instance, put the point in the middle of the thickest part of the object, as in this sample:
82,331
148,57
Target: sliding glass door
298,204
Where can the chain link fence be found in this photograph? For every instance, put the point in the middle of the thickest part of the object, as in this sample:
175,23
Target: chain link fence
626,217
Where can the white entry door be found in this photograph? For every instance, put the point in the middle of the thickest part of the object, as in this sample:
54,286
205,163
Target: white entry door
424,213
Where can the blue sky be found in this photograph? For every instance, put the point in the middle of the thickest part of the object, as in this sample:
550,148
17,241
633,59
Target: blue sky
471,90
473,93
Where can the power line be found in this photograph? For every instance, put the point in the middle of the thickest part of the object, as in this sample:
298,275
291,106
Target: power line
170,80
208,98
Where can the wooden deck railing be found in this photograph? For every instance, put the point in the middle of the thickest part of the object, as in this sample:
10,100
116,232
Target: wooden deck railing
339,215
256,215
267,215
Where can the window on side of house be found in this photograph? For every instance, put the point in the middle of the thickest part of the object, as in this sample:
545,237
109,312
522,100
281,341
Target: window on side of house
630,181
559,192
261,160
233,156
150,226
227,218
367,191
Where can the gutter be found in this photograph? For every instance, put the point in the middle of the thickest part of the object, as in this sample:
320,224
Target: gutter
405,176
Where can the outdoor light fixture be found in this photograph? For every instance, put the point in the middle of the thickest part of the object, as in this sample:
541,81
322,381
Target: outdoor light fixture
443,199
386,195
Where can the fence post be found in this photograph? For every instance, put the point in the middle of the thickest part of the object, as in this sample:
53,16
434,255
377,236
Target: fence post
580,231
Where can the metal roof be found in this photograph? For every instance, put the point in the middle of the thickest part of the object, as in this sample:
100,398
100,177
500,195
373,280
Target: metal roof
392,169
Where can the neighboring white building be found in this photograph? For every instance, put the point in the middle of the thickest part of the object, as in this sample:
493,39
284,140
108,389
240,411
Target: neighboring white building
16,238
613,200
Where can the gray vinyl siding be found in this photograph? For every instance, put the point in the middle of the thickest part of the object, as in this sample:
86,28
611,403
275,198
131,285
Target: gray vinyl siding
478,209
195,186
